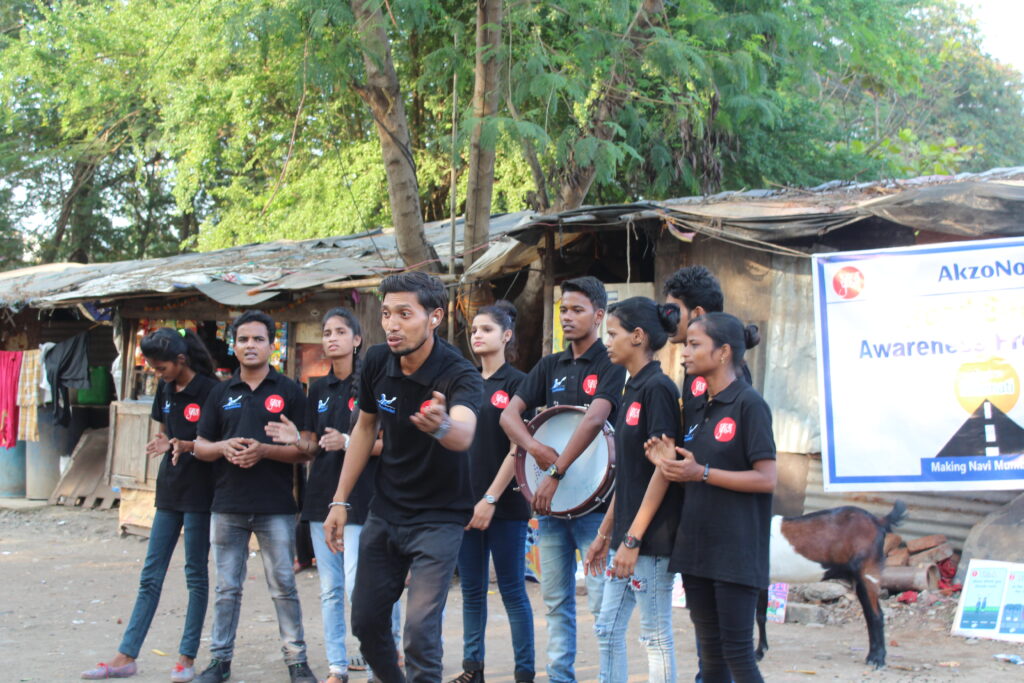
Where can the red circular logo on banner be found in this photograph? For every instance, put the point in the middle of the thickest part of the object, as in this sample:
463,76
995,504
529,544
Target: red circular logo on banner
426,404
633,414
725,430
192,412
352,403
499,399
848,282
590,385
698,386
274,403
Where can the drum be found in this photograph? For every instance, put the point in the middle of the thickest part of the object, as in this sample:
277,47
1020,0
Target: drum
588,482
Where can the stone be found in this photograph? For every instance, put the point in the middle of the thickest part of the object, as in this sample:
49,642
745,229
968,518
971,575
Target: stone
1000,536
916,545
898,558
823,591
802,613
932,555
892,541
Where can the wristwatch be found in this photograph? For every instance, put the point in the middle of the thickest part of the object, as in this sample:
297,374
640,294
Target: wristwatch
631,542
554,473
488,498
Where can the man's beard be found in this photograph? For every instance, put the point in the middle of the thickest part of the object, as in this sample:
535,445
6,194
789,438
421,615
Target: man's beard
406,352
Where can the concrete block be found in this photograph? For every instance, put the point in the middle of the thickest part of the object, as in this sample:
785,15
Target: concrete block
802,613
823,591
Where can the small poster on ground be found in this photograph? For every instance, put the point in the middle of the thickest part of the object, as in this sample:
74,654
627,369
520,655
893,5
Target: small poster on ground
992,602
778,594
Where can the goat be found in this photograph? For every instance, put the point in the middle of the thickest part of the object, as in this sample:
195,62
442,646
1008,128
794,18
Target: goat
840,543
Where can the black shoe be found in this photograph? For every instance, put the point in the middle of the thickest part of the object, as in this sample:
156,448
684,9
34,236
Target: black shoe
301,673
218,671
470,677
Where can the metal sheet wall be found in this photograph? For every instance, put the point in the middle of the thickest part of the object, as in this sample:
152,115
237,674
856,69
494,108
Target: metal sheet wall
952,513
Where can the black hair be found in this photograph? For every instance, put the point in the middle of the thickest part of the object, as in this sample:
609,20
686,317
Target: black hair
696,286
357,362
727,329
429,290
503,313
255,316
590,287
657,320
165,344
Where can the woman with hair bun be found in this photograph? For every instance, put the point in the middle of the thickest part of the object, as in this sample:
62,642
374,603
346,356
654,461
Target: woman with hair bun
500,517
184,493
642,519
728,466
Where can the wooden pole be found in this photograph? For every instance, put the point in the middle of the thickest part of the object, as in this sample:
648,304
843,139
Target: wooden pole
548,265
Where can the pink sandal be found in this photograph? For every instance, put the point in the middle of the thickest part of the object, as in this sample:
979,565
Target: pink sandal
104,671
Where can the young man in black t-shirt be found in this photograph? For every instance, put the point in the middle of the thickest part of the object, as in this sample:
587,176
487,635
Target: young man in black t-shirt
424,396
582,375
253,493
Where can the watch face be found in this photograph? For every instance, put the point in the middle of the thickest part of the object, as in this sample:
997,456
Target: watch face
489,498
631,542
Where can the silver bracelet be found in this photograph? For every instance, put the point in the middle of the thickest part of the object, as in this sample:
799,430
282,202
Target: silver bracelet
347,506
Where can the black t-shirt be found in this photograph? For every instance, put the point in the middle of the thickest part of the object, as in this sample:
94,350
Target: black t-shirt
234,410
560,379
696,387
331,403
418,479
187,486
491,444
650,407
724,534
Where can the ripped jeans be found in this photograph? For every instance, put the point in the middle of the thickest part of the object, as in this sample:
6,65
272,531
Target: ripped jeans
651,588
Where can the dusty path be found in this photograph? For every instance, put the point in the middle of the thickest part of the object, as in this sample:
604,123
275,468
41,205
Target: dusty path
67,579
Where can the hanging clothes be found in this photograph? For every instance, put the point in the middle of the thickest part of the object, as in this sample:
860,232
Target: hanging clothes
67,366
44,382
10,371
28,396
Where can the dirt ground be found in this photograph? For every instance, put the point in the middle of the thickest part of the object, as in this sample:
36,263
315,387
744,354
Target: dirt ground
69,580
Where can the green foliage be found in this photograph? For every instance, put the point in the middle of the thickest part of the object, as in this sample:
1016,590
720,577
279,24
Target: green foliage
137,129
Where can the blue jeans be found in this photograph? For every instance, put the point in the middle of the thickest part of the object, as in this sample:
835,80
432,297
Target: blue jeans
505,539
337,578
650,587
167,525
559,541
230,535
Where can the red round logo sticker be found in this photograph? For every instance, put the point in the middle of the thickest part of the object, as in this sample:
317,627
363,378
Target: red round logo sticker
192,412
848,282
698,386
499,399
725,430
352,403
590,385
633,414
274,403
426,404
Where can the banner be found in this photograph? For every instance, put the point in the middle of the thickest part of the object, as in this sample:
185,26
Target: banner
920,354
992,602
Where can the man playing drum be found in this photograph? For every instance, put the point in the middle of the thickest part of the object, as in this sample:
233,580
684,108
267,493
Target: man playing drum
581,375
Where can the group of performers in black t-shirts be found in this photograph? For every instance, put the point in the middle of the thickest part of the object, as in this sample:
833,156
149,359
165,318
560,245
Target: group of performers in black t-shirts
413,475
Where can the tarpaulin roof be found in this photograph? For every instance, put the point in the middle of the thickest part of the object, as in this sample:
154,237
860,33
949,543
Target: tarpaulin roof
967,205
237,276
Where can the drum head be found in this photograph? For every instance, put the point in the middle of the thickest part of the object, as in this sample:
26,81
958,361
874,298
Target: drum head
590,477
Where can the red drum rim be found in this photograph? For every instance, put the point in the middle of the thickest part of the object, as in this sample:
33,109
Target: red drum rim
599,496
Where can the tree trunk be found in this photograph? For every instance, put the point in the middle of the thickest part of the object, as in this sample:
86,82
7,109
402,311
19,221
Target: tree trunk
480,188
383,96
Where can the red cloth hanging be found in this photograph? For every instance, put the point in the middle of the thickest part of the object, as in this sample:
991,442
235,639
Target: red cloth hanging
10,371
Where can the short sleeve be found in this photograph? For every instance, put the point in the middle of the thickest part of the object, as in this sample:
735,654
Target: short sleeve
466,389
663,410
367,376
609,384
756,421
531,389
297,409
209,421
157,412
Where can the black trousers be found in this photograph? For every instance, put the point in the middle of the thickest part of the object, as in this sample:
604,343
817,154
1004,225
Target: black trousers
387,552
723,618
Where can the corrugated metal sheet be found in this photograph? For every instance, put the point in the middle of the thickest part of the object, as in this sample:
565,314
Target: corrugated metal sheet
952,513
791,376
